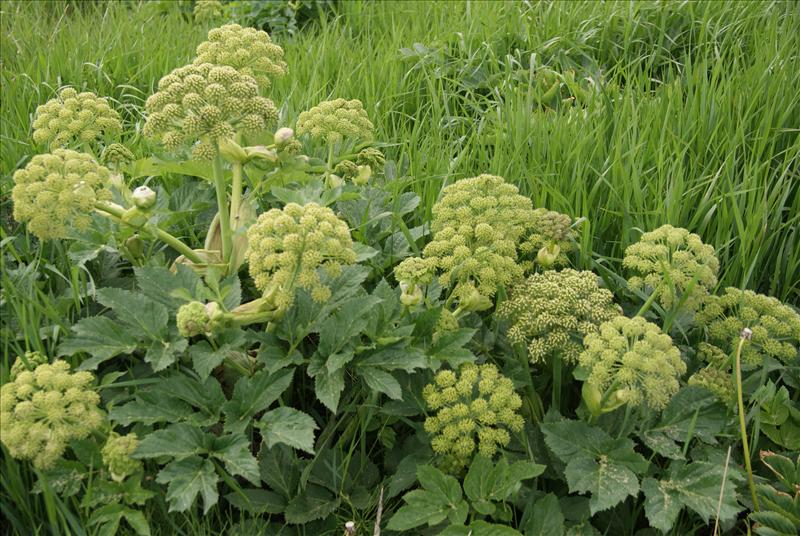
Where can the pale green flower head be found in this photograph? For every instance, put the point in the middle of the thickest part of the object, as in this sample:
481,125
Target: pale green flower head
117,455
207,10
475,409
476,226
203,103
42,410
34,359
372,157
552,232
775,326
286,247
249,51
551,313
58,191
116,156
335,120
635,359
667,260
73,119
193,319
718,381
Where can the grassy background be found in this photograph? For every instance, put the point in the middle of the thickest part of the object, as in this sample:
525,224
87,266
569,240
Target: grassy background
698,125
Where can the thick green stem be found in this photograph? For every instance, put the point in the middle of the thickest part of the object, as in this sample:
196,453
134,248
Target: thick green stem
236,191
532,398
557,384
117,212
742,424
222,206
647,304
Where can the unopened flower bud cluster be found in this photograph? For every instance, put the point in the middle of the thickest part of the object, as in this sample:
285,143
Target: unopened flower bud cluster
775,327
117,455
551,237
636,359
475,409
674,264
74,118
335,120
551,313
58,191
42,410
286,247
207,10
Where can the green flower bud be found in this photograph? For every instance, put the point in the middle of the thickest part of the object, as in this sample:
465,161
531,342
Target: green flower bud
363,176
283,135
333,181
193,319
372,157
29,361
548,255
232,151
336,120
259,152
116,156
550,235
144,198
410,295
117,455
207,10
135,246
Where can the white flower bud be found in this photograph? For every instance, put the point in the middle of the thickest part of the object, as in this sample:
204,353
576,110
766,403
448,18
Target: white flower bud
283,134
144,198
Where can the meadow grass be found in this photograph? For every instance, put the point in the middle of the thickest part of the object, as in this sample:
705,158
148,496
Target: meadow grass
697,124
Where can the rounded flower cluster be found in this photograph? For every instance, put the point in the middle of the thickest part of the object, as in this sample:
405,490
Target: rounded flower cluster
475,403
34,359
552,312
249,51
193,319
41,411
287,246
635,359
334,120
372,157
668,261
74,117
551,236
775,326
476,226
205,102
718,381
57,191
207,10
117,455
116,155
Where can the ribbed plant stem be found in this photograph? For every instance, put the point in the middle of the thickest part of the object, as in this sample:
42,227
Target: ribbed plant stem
160,234
743,426
222,207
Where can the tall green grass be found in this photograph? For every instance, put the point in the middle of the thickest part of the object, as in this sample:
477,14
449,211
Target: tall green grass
697,124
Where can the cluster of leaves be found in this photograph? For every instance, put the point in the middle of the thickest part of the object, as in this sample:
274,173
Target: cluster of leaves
312,356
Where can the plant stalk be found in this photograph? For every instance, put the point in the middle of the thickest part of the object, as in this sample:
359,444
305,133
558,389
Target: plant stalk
742,424
222,207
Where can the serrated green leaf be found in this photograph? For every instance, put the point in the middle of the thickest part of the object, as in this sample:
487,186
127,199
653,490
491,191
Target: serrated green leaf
382,382
695,485
315,502
288,426
163,353
774,524
483,528
160,284
100,337
206,396
154,167
609,483
254,394
205,359
543,517
398,357
234,451
439,499
137,311
279,468
186,478
345,323
257,501
177,440
449,347
328,387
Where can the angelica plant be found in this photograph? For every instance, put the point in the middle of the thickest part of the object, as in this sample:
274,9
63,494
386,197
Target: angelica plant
550,236
75,119
673,265
117,455
477,402
207,10
775,327
630,361
42,410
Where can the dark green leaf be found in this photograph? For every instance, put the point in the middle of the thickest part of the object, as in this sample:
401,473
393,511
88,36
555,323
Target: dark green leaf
315,502
543,517
288,426
382,382
450,347
160,284
137,311
257,501
279,468
205,359
177,440
234,451
254,394
187,478
100,337
483,528
329,386
163,352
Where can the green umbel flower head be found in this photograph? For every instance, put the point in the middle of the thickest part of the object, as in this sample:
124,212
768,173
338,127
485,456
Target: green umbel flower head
117,455
41,411
775,326
635,359
249,51
476,226
57,191
718,381
372,157
74,118
34,359
207,10
205,103
550,237
116,156
334,120
666,262
552,312
287,246
193,319
474,408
